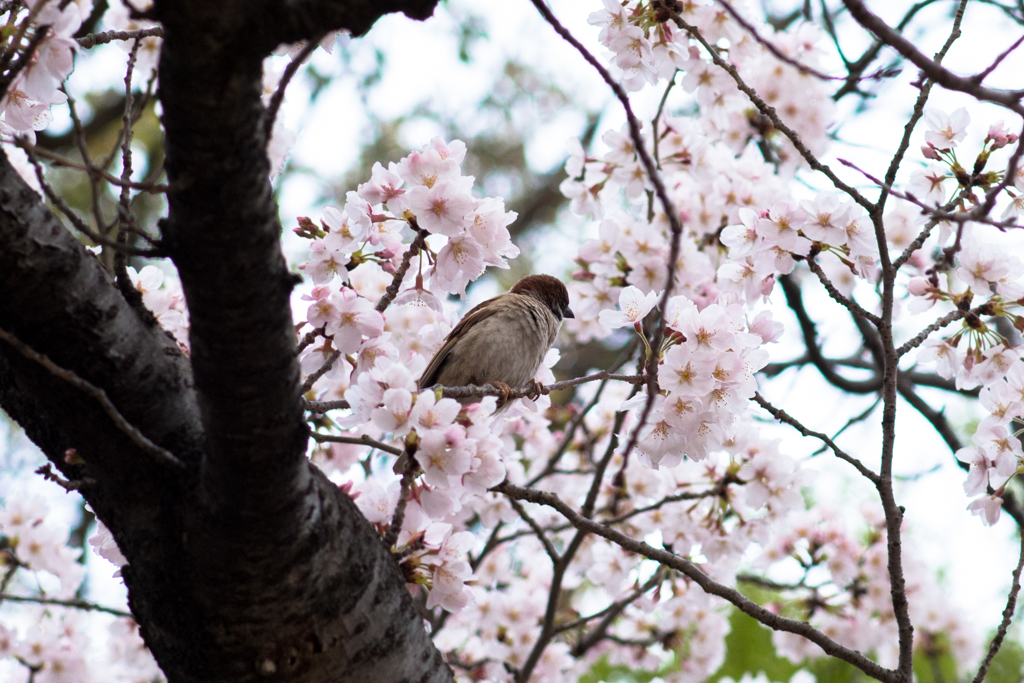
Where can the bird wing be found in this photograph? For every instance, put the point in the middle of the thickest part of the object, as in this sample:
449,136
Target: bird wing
440,359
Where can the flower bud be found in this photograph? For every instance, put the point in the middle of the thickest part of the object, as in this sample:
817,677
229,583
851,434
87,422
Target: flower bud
918,286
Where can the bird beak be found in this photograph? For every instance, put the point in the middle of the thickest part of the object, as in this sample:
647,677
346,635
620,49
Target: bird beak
567,313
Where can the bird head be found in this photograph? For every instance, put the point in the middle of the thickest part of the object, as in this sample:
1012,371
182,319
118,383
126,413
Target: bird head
548,290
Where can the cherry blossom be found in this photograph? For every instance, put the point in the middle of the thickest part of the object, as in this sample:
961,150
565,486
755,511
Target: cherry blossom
635,306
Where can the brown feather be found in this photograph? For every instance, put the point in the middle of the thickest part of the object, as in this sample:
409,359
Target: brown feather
442,356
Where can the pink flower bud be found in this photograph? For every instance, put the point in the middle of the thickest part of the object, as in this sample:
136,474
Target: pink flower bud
583,276
929,152
918,286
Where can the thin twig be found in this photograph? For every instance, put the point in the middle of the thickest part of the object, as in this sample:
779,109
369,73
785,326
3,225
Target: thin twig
950,317
838,296
693,572
549,547
611,613
668,206
783,416
417,245
77,221
278,97
76,604
391,537
321,407
320,372
773,116
94,39
947,79
137,437
58,160
979,77
918,112
1011,605
474,391
363,440
795,63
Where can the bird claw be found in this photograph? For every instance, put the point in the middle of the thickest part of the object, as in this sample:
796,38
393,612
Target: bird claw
506,392
534,390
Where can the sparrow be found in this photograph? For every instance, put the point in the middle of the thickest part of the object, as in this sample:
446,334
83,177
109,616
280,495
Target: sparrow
503,340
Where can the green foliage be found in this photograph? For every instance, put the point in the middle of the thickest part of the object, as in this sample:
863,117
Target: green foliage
749,649
1006,665
603,671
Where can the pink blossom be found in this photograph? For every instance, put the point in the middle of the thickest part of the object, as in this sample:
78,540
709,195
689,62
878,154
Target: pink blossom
430,414
988,508
926,184
443,208
612,19
999,137
444,455
427,167
376,502
324,263
634,307
384,187
743,238
687,372
946,357
352,317
458,263
945,130
343,234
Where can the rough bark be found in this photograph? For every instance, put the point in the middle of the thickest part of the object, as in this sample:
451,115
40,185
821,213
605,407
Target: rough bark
246,564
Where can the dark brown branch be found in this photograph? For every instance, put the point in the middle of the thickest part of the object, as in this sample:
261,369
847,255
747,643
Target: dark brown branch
137,437
979,77
398,518
838,296
1007,98
416,247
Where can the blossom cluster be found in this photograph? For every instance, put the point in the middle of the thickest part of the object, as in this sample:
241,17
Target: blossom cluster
372,360
49,642
706,373
164,298
845,593
26,104
119,18
983,280
648,47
